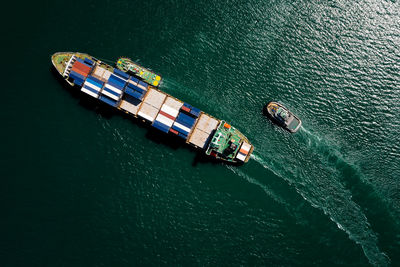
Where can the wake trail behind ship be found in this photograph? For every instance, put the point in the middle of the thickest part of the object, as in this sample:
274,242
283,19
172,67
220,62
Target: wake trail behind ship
358,229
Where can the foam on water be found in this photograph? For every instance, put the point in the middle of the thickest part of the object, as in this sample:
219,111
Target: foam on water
358,228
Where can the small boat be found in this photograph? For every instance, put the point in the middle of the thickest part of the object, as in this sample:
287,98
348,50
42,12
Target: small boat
281,116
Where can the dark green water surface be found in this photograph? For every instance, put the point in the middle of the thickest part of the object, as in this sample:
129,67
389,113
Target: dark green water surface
82,185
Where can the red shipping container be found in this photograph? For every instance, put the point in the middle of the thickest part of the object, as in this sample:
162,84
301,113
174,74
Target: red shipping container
185,109
82,67
79,71
173,131
167,115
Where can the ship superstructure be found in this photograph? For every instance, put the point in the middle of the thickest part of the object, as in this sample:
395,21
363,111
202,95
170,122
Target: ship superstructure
138,96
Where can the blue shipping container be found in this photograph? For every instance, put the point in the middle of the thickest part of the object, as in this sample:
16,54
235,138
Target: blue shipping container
178,129
184,136
133,79
187,105
91,89
160,126
111,91
195,112
95,80
133,93
78,81
94,83
117,80
88,61
116,85
108,100
185,120
143,84
121,74
132,100
134,87
74,74
184,123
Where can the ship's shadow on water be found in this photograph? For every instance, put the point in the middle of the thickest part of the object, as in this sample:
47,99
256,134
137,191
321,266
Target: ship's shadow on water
167,139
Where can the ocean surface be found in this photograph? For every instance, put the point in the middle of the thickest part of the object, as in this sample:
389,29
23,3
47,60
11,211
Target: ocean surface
84,185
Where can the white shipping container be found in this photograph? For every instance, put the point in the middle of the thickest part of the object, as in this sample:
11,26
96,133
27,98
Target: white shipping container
183,127
199,138
164,120
109,86
110,95
148,112
131,108
88,84
106,74
173,103
154,98
169,110
89,92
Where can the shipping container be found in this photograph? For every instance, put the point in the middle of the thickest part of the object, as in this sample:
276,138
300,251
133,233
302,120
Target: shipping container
79,71
83,62
185,109
121,74
199,138
117,80
173,131
133,80
180,128
207,123
185,120
94,87
95,82
111,92
167,115
98,72
106,75
187,105
83,67
94,79
195,112
148,112
113,88
90,91
78,82
160,126
136,88
165,120
143,85
88,61
75,75
154,98
108,100
173,103
182,135
133,93
130,104
169,110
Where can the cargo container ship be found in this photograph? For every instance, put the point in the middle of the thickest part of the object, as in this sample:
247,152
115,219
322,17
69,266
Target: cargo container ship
133,89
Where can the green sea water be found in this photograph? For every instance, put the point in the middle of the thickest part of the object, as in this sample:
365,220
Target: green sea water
83,185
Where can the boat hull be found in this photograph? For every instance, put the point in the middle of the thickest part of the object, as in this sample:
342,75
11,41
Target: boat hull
294,123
